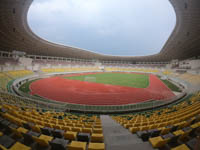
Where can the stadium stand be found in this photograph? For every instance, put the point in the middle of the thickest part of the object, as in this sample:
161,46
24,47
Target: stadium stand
191,78
6,77
49,128
146,70
167,127
74,69
35,123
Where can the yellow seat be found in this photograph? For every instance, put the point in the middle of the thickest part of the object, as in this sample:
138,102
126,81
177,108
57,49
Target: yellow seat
196,125
43,140
181,147
97,137
46,124
144,123
3,148
96,146
36,128
97,130
97,126
143,128
1,133
70,124
76,129
39,123
165,130
56,126
188,123
178,132
22,130
70,135
153,126
88,125
167,123
136,125
128,125
161,125
87,130
77,145
19,146
182,125
134,129
157,142
66,128
79,125
16,132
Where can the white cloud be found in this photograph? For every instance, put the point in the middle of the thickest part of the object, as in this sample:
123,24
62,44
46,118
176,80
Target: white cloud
125,27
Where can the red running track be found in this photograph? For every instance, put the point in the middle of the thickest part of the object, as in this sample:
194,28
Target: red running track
80,92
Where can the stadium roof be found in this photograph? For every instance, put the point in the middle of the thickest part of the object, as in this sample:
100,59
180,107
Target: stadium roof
15,34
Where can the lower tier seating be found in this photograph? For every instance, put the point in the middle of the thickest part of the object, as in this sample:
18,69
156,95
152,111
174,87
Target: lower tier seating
174,127
28,128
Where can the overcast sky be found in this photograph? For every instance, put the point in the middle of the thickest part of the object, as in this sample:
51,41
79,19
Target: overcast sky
116,27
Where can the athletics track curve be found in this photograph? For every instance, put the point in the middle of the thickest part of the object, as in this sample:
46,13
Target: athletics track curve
80,92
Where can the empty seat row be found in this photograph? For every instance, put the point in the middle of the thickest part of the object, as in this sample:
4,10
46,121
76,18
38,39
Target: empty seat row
27,135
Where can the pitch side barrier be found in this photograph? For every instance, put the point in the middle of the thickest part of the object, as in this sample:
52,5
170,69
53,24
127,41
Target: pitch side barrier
23,102
123,109
95,109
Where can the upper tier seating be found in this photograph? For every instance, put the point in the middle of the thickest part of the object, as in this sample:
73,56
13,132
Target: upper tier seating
191,78
74,69
18,73
131,69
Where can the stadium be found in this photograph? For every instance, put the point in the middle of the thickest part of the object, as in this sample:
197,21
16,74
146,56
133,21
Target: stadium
57,97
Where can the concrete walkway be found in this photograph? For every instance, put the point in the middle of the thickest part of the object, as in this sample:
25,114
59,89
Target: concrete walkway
118,138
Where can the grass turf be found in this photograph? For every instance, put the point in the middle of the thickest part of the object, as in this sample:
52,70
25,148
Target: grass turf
171,85
25,87
122,79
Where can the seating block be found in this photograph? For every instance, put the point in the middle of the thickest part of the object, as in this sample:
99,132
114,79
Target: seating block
96,146
77,145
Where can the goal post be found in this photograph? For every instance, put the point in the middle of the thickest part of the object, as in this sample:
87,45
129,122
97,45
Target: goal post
90,79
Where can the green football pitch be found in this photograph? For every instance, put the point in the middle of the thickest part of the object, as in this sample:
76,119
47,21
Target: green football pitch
122,79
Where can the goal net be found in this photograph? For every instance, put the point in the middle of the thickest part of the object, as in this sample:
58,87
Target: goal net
90,79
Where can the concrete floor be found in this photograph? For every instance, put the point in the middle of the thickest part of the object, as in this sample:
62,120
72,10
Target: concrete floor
118,138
